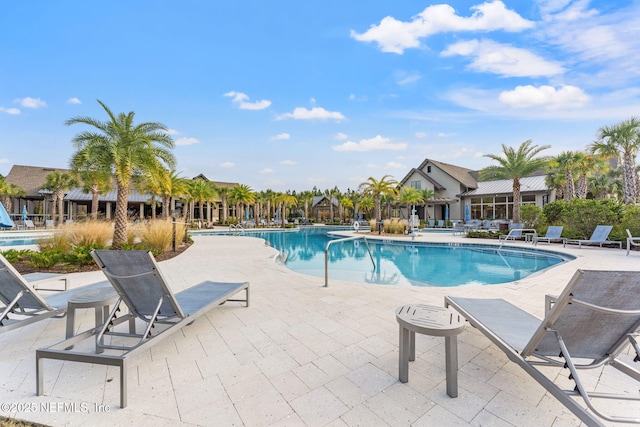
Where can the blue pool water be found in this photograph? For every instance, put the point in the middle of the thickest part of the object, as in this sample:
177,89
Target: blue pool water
403,263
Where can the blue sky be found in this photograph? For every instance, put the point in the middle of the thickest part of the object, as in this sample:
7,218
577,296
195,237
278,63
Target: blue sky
290,94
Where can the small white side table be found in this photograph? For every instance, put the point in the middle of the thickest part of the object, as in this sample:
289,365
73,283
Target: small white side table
98,299
434,321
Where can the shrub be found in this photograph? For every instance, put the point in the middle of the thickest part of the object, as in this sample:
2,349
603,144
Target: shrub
14,255
372,225
630,220
90,233
386,226
581,216
158,235
45,259
532,216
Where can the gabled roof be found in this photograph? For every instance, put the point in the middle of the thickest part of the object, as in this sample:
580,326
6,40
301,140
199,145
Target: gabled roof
466,177
30,178
436,184
505,186
318,199
216,183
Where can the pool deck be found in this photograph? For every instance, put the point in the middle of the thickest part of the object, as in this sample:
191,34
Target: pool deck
301,355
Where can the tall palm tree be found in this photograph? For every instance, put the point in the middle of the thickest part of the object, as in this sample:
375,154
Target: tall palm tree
243,196
427,194
8,192
305,197
622,141
124,149
409,196
224,194
200,191
587,165
150,182
355,197
285,200
376,188
58,182
566,162
172,186
367,204
516,164
94,179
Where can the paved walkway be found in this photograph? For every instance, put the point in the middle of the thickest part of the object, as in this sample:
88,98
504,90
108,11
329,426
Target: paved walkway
300,355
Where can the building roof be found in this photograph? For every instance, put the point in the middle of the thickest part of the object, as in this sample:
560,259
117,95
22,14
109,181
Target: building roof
467,177
77,195
30,178
318,199
436,184
528,184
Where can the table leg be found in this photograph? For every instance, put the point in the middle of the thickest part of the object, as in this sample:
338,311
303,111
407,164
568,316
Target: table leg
412,346
451,357
403,361
71,322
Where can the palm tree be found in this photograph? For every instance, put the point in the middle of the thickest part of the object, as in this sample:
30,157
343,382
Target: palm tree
376,189
622,141
367,204
200,191
172,186
224,194
555,181
285,200
305,197
587,165
409,196
514,165
8,192
58,182
566,162
355,198
243,196
427,194
126,150
151,183
94,180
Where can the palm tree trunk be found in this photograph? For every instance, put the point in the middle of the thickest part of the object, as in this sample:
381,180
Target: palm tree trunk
60,207
629,179
120,229
94,201
570,192
516,200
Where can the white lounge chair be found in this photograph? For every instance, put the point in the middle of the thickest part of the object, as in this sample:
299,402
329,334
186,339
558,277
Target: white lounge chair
143,289
588,327
599,237
553,234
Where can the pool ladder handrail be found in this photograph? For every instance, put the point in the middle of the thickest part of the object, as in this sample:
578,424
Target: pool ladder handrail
326,255
236,228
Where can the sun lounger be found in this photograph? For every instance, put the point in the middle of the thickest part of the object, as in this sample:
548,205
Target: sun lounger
631,241
599,237
515,232
143,289
553,235
22,302
588,326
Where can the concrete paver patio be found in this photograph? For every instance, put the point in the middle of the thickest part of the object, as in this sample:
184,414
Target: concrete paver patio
300,355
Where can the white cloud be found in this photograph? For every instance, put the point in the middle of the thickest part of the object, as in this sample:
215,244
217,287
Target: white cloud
4,160
505,60
375,143
395,36
316,113
242,101
273,183
12,111
29,102
352,96
280,136
267,170
186,141
544,96
405,78
74,101
288,162
390,165
445,135
421,135
340,136
227,165
172,132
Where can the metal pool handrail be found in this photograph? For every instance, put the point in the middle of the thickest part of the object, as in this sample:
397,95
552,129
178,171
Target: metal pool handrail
326,255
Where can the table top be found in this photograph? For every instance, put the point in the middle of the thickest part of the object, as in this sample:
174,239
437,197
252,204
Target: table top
430,319
101,296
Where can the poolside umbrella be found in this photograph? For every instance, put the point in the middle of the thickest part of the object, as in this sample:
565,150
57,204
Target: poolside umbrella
24,213
5,219
467,213
446,212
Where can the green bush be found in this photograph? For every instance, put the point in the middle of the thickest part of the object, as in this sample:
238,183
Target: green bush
630,220
15,255
532,216
45,259
581,216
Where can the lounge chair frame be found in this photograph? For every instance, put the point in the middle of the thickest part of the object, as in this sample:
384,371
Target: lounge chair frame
169,310
553,234
564,338
600,236
631,241
22,301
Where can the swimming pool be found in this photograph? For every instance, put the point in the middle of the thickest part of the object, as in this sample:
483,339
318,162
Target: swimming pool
403,263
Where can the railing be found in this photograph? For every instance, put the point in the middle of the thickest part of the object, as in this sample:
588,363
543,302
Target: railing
237,228
520,233
326,255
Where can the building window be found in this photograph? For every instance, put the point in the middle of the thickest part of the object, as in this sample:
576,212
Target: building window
416,184
428,169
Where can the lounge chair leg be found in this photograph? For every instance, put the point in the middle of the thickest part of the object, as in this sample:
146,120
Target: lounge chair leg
451,357
123,383
39,375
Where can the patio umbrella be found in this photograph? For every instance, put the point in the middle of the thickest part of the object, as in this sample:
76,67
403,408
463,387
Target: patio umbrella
467,213
24,213
5,219
446,212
